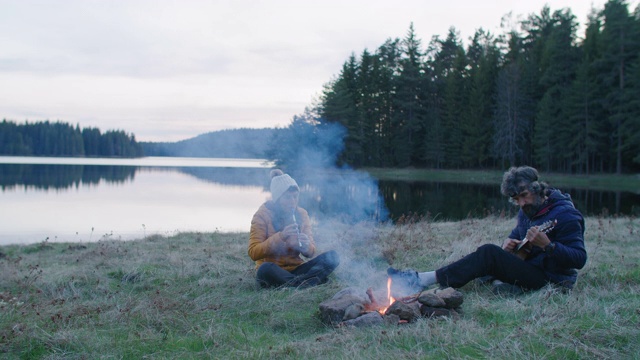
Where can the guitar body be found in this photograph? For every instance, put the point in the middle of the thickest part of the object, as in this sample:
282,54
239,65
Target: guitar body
523,251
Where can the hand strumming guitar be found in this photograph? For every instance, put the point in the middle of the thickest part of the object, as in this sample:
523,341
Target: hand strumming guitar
509,245
536,236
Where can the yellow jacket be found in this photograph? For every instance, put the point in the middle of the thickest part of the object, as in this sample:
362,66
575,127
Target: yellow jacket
267,245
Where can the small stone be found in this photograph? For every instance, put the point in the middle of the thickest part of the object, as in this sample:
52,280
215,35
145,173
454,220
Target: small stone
352,292
369,319
333,311
353,311
391,319
431,299
407,312
452,297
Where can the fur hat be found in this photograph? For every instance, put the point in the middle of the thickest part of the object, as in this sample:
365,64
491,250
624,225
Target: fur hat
281,183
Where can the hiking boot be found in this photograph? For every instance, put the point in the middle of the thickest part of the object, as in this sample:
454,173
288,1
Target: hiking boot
507,290
404,282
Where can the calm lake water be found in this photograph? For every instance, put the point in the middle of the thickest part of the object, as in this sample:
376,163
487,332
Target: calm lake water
80,200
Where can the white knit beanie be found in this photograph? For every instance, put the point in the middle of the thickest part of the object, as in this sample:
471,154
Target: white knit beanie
281,183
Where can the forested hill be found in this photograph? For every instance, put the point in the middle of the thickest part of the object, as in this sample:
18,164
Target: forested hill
540,94
46,138
236,143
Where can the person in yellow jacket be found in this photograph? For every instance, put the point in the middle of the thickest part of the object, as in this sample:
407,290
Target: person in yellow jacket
281,234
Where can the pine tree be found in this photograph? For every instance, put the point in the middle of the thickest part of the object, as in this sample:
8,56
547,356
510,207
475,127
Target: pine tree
512,115
558,60
388,65
339,104
408,114
619,49
455,97
483,56
583,107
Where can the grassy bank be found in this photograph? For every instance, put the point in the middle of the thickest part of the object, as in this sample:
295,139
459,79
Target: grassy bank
609,182
193,296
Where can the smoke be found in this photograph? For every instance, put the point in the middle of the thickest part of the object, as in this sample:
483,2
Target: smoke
345,204
309,151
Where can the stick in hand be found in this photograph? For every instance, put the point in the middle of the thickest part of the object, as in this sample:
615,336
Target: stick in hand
293,215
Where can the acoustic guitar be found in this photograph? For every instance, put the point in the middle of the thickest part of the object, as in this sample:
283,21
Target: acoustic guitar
524,248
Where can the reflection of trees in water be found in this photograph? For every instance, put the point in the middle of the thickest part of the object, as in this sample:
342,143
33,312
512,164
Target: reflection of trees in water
61,176
606,202
64,176
231,176
349,195
443,201
458,201
354,196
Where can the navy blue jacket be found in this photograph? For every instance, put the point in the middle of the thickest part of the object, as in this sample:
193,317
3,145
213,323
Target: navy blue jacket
568,235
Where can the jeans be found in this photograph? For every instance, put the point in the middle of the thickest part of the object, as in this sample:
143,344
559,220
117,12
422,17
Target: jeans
314,271
492,260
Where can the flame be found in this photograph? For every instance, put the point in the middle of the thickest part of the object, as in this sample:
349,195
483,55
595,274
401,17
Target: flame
389,298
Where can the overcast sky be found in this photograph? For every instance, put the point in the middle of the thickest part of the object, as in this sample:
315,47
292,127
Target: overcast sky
168,70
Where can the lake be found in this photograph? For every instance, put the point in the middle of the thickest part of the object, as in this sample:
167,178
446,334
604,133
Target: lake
81,199
77,199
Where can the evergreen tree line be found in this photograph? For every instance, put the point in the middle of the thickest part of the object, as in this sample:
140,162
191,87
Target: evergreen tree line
61,139
536,95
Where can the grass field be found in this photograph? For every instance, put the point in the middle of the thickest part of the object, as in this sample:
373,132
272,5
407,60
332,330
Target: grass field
193,296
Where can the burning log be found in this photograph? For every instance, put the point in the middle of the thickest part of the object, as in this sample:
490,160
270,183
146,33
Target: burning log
374,303
349,308
409,298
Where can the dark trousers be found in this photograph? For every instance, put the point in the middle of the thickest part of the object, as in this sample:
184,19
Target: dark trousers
492,260
314,271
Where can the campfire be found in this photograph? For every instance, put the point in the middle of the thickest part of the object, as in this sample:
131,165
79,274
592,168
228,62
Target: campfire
374,304
352,307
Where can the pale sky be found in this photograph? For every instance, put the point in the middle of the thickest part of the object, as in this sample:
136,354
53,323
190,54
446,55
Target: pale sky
168,70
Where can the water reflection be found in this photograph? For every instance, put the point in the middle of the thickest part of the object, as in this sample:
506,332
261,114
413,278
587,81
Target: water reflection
230,176
61,176
134,201
454,201
155,201
445,201
67,176
347,194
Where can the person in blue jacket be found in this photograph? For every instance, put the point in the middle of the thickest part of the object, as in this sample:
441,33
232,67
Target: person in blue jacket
549,228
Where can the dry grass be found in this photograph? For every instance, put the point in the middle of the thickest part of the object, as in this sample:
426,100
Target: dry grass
193,296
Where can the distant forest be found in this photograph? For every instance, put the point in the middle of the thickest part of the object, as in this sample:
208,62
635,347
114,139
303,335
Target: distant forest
61,139
537,94
235,143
